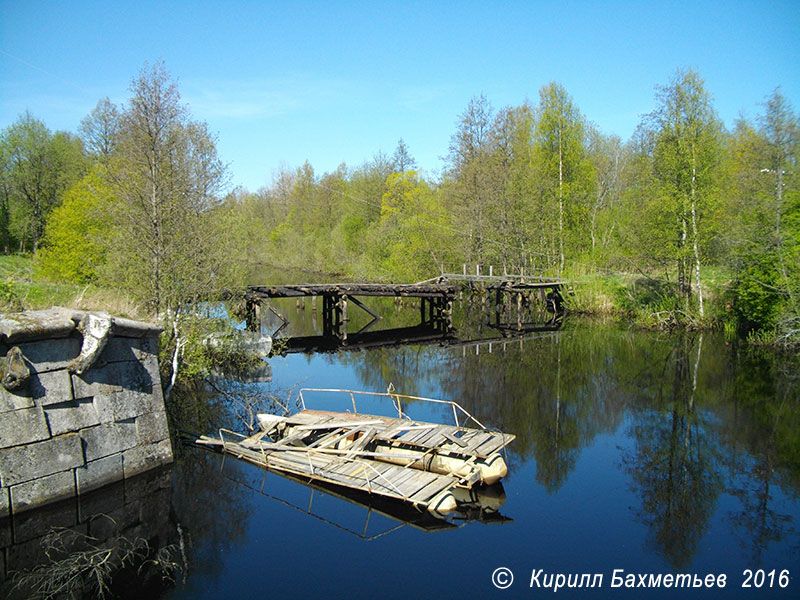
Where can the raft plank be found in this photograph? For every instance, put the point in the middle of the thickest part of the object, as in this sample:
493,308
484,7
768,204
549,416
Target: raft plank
323,441
436,440
498,441
389,432
427,439
415,436
376,477
426,493
335,424
294,437
412,486
362,441
306,418
468,435
476,441
403,477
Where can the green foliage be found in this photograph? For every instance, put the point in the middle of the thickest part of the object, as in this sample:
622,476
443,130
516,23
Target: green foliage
9,300
77,234
36,167
164,176
754,295
533,187
206,346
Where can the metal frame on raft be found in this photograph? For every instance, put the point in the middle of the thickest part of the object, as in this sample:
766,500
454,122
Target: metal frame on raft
395,401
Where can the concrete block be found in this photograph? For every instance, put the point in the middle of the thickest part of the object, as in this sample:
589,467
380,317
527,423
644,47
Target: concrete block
143,458
52,387
71,416
122,405
119,349
154,509
107,500
135,329
33,524
149,483
104,526
97,473
4,502
52,354
12,401
5,532
21,427
149,345
23,463
108,438
42,491
111,378
151,366
25,556
28,554
35,325
152,427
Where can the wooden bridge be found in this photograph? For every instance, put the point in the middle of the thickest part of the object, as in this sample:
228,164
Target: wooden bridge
435,301
435,298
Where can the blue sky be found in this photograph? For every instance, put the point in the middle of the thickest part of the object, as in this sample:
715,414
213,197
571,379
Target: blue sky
333,82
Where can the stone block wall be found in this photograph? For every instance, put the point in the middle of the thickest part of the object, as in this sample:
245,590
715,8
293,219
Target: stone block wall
137,508
69,429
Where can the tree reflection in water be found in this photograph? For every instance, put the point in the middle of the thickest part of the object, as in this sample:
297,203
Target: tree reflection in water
706,419
707,434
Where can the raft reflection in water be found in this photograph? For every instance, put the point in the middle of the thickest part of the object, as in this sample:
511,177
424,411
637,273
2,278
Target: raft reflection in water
480,504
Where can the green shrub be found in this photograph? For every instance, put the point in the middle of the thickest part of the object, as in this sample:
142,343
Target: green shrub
76,234
9,300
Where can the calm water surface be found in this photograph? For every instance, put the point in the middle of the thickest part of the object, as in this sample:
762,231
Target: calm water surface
650,453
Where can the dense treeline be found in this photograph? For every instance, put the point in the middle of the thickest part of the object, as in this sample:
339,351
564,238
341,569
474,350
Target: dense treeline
706,219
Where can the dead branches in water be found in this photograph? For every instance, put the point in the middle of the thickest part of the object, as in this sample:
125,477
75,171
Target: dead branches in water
79,564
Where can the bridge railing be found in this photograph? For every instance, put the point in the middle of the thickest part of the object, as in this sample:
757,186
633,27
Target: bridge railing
487,274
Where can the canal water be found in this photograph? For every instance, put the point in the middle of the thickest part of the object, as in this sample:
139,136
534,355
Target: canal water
636,453
641,452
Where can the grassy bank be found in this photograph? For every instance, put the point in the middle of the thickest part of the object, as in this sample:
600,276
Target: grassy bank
22,288
650,301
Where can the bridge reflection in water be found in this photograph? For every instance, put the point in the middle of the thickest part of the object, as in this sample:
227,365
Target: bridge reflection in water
513,314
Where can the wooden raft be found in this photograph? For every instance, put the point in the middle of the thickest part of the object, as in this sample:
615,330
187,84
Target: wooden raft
353,470
418,435
361,451
359,469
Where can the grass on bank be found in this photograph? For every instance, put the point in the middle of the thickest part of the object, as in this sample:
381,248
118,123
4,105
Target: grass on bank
649,300
21,288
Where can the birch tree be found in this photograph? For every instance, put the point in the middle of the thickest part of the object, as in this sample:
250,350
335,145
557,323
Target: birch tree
780,129
99,130
687,151
165,175
469,157
560,147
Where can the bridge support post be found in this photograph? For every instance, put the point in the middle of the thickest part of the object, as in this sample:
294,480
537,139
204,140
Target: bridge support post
343,317
253,315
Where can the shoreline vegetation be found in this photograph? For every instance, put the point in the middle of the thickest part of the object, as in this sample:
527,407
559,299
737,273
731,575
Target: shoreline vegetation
628,299
689,224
